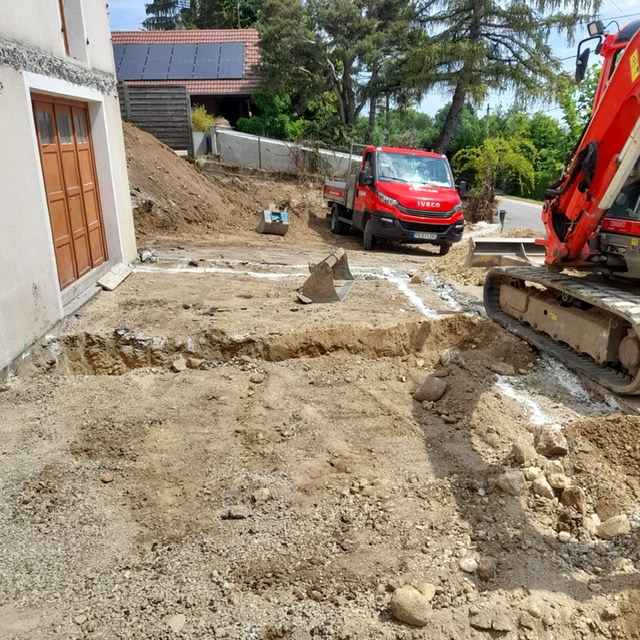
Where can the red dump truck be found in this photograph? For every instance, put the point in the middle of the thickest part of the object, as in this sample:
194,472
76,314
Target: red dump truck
400,194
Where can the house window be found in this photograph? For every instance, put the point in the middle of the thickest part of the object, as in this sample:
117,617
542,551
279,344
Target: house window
81,129
45,127
64,128
73,29
63,21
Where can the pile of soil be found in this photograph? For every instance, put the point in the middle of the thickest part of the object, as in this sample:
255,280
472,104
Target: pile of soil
175,202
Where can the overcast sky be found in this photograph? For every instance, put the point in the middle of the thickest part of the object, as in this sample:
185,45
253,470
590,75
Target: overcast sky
127,15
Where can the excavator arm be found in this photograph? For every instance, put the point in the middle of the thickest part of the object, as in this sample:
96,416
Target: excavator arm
608,150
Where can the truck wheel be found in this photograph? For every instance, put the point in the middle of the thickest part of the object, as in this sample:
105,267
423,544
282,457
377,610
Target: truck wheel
368,239
335,224
444,249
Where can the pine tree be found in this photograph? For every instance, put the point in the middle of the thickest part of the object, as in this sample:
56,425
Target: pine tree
474,45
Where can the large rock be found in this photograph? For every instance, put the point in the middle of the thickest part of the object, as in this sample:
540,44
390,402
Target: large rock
430,390
575,497
524,453
549,440
487,568
556,476
541,487
616,526
410,606
503,369
512,482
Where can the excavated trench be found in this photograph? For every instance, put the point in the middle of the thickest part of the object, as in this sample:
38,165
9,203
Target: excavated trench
123,350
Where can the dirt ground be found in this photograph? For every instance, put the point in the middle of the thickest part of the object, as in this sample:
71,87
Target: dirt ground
198,455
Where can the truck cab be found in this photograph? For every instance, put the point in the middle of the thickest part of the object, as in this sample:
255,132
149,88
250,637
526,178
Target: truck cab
400,194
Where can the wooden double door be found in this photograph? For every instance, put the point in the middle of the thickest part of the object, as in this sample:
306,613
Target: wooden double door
68,166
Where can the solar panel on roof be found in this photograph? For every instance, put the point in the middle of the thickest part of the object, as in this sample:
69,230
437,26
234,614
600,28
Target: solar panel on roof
157,67
207,61
180,70
156,70
231,61
208,51
135,53
184,52
160,52
118,53
130,70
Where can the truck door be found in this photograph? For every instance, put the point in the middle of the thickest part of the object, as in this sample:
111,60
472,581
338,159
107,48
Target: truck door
364,195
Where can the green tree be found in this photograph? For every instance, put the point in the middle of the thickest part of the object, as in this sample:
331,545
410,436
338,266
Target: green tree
355,38
225,14
273,120
162,14
471,45
494,159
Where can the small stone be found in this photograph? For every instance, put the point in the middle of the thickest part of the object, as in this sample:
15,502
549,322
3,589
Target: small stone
481,620
531,473
533,611
106,477
541,487
502,622
487,568
503,369
431,389
527,620
610,612
194,363
452,356
523,453
261,495
564,536
616,526
549,440
179,365
416,278
177,622
428,590
257,378
595,587
236,513
512,482
428,405
80,620
575,497
193,263
469,565
410,606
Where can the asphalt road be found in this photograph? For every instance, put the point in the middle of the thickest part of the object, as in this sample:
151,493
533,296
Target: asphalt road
521,215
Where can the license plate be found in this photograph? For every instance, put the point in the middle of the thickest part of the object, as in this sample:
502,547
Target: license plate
423,235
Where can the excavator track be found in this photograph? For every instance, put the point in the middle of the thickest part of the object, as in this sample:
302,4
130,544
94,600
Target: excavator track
615,302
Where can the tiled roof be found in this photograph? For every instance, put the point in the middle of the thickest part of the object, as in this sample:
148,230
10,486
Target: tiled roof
205,87
249,37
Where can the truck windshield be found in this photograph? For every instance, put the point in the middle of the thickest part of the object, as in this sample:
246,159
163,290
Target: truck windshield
413,169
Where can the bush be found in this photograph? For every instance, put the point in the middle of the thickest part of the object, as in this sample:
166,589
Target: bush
201,120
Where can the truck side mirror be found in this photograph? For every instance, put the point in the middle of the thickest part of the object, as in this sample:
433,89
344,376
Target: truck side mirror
462,188
364,179
581,65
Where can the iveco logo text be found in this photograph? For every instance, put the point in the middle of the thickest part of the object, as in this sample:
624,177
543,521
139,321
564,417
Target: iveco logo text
428,203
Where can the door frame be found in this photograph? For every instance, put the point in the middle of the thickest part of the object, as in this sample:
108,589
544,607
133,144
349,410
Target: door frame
94,101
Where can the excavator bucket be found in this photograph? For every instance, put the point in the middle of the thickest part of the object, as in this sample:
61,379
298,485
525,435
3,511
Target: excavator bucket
330,280
502,252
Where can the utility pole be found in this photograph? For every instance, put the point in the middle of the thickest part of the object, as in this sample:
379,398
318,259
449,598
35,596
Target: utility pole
486,125
387,121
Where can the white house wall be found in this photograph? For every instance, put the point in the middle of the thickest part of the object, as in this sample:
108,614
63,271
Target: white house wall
32,59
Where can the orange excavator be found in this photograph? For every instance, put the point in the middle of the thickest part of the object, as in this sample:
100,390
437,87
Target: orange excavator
583,306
